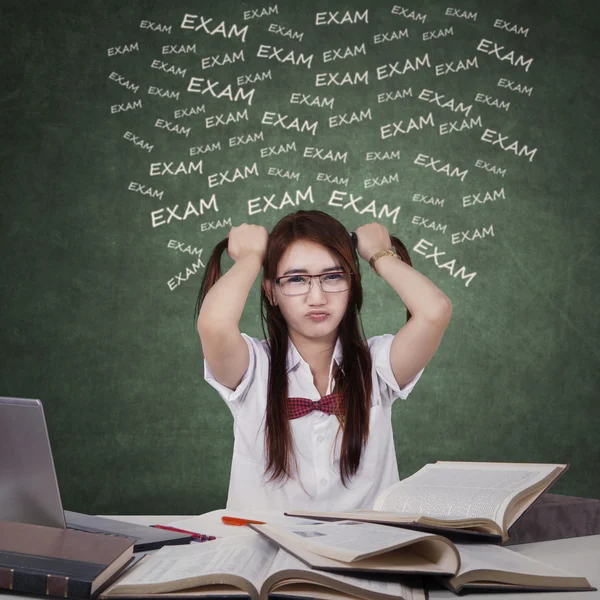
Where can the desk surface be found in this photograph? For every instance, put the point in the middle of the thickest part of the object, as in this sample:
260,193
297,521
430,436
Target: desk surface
579,555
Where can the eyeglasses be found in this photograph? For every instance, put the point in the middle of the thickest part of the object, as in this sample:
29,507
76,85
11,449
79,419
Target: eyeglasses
295,285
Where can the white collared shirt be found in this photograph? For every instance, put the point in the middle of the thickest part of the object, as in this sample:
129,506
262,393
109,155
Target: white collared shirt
317,484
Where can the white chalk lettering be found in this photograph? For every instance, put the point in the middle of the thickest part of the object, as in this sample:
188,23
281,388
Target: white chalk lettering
277,150
272,52
467,236
519,61
136,141
163,93
116,50
337,198
393,155
196,85
392,69
422,247
333,18
226,59
182,277
348,79
445,68
190,210
431,96
340,53
500,24
428,200
254,78
182,49
162,168
332,179
412,15
390,96
321,154
280,30
438,33
490,101
145,190
261,12
481,164
216,120
283,174
194,150
434,164
312,100
483,197
428,224
379,181
181,247
189,22
117,108
493,137
380,38
393,129
454,12
180,129
287,200
123,82
348,119
449,127
155,26
296,124
242,140
192,111
168,68
514,87
220,178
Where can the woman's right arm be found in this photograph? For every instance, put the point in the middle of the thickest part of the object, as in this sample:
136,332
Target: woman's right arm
224,303
223,346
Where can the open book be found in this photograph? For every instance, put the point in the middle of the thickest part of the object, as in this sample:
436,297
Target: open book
371,548
246,566
477,498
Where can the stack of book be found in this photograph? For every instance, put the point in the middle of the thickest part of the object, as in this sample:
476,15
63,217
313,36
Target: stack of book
445,523
60,562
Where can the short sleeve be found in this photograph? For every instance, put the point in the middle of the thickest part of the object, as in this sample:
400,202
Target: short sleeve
380,347
234,397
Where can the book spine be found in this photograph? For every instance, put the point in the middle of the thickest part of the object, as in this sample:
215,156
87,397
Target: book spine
44,584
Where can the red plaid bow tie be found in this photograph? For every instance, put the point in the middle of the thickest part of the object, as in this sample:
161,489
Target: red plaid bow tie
298,407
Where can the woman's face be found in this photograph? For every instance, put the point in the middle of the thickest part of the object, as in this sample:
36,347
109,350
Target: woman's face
304,258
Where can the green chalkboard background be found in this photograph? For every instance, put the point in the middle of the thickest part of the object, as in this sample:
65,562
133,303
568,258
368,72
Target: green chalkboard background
91,326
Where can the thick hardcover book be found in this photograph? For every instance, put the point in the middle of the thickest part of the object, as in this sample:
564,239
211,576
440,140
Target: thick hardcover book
248,566
59,562
480,500
353,547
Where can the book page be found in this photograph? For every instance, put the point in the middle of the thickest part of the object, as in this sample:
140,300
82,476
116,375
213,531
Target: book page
346,540
465,491
491,557
284,561
247,557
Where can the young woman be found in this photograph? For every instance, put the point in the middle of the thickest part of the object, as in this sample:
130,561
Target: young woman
312,402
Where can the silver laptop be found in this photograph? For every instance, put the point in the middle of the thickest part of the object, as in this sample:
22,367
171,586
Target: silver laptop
29,490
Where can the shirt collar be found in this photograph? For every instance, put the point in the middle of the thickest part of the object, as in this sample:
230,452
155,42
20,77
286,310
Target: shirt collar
294,357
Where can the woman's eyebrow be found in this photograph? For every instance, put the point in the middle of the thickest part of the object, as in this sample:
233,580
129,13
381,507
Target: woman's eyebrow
291,271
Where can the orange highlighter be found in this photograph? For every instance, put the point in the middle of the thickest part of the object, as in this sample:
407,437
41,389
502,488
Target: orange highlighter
240,522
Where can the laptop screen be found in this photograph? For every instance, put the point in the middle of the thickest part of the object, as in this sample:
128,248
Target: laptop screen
29,490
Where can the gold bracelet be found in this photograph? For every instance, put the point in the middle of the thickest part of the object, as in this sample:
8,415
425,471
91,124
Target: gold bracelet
391,252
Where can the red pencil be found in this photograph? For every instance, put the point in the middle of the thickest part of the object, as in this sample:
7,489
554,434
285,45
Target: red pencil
177,530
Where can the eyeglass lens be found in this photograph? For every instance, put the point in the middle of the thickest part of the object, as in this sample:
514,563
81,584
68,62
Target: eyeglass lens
300,284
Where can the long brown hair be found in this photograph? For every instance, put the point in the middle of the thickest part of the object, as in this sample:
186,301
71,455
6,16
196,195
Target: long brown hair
354,383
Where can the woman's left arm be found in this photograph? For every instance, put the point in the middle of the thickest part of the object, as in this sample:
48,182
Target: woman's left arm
417,341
